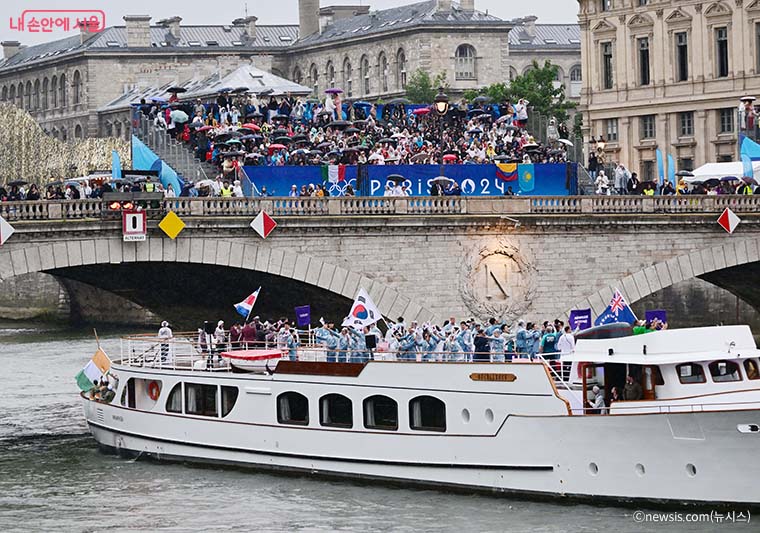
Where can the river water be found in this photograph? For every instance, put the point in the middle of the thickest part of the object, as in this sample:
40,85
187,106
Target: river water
53,478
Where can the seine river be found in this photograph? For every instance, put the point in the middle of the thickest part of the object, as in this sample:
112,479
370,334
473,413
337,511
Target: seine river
53,478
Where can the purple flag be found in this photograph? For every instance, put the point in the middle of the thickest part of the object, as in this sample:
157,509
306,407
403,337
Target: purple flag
580,319
303,316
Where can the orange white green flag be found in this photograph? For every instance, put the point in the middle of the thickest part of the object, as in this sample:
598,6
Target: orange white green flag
95,369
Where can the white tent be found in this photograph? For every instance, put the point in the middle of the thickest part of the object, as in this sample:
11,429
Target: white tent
721,170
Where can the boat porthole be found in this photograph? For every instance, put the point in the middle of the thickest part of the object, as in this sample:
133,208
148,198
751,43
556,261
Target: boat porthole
466,416
593,469
489,416
691,470
640,470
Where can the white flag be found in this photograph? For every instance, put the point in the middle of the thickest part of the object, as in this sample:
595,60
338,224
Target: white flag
363,313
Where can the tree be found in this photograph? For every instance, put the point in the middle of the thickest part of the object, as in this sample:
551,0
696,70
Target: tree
537,86
420,89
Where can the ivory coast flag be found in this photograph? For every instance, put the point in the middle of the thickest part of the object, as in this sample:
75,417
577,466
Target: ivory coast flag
95,369
334,173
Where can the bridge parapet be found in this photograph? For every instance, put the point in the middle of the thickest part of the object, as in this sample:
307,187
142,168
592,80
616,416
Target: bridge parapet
363,206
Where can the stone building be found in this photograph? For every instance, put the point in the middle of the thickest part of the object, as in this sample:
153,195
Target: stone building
370,54
668,74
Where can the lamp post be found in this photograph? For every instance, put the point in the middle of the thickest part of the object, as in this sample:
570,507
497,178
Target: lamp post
441,105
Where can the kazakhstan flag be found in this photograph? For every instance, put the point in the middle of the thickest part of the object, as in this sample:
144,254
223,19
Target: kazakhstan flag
527,177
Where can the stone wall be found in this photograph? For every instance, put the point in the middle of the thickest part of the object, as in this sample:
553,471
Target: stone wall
31,296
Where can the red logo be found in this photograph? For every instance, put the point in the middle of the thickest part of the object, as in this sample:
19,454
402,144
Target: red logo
617,304
48,20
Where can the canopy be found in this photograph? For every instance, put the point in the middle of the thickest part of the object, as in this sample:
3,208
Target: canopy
721,170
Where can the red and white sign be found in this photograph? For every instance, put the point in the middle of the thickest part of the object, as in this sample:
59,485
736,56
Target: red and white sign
6,230
263,224
728,220
134,225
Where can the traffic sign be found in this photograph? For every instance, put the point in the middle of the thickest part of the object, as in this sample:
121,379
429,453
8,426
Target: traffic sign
172,225
728,220
134,225
6,230
263,224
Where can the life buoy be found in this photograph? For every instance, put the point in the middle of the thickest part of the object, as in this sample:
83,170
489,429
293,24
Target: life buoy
153,390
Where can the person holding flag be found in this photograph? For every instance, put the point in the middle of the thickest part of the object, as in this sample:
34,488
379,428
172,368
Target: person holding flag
617,311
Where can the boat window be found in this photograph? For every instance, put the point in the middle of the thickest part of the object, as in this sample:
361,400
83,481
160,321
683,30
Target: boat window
336,410
229,397
427,414
292,408
140,393
751,368
724,371
380,412
690,373
174,402
658,379
200,399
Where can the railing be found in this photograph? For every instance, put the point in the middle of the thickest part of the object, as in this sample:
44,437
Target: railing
409,206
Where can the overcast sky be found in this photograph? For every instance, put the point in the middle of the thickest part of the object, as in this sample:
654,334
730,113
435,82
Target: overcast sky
269,12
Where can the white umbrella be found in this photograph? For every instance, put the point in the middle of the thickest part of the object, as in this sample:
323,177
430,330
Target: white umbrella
178,116
204,183
565,142
374,157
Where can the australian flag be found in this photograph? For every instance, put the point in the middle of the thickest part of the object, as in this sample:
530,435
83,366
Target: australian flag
617,311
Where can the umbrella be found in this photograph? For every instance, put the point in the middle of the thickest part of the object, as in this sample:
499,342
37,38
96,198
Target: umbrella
729,178
747,99
748,179
324,146
484,116
250,126
233,153
335,153
350,150
16,183
240,90
339,124
398,136
502,157
352,130
387,140
442,180
300,151
420,157
279,132
225,90
315,152
204,183
475,131
375,157
530,146
158,99
421,111
227,135
176,90
254,115
712,182
503,119
396,178
178,116
449,157
565,142
512,128
284,118
685,173
249,137
283,140
481,100
334,90
300,137
275,147
399,101
234,141
645,185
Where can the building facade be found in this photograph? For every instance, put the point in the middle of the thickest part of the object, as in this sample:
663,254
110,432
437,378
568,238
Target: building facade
370,54
668,75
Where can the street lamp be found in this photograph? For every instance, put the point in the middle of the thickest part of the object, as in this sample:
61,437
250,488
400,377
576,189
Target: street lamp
441,105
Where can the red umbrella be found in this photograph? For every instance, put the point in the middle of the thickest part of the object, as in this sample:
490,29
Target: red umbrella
421,111
205,128
449,157
251,126
274,147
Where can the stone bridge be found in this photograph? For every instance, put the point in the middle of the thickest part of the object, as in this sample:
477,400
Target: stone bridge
421,258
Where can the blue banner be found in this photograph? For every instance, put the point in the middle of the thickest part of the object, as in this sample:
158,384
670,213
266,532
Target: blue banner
115,165
580,319
659,314
303,316
474,180
143,158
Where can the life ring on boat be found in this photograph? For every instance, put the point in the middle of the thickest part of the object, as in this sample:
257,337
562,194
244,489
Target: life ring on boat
153,390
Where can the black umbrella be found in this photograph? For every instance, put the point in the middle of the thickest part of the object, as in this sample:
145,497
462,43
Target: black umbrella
282,140
333,153
300,137
339,124
176,90
351,130
350,150
387,140
17,183
283,118
396,178
324,146
278,132
225,90
228,135
481,100
399,101
241,90
254,115
645,186
685,173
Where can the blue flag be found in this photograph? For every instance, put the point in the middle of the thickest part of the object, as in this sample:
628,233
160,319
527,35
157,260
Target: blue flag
671,169
660,167
617,311
527,177
115,165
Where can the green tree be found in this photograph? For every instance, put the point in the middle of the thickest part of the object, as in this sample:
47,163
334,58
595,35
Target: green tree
537,86
421,89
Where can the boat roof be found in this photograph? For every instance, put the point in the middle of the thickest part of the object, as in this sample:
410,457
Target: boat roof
670,346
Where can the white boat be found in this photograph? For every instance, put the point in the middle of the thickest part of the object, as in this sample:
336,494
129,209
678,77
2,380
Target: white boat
514,428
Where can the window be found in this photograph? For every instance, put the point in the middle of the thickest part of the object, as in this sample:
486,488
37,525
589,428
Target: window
383,66
647,170
229,398
721,52
724,371
685,163
44,95
401,69
77,87
643,3
348,77
54,92
380,412
335,410
297,76
682,56
174,401
751,368
576,74
4,95
314,78
643,47
607,80
62,90
427,414
726,120
200,399
464,62
36,95
77,131
330,74
611,127
686,124
28,94
690,373
605,5
648,130
366,86
293,408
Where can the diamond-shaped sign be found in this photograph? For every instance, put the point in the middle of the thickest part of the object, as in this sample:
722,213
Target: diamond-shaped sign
6,230
172,225
728,220
263,224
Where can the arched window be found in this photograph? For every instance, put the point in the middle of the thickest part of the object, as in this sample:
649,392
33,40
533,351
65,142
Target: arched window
62,91
381,412
427,414
4,94
44,95
382,68
12,95
36,95
366,85
293,408
348,77
174,401
314,78
64,135
512,74
28,96
54,92
117,129
464,62
330,72
335,410
576,74
20,96
77,131
109,129
401,69
297,75
76,86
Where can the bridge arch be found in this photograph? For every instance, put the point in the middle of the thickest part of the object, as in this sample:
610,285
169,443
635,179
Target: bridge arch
25,259
663,274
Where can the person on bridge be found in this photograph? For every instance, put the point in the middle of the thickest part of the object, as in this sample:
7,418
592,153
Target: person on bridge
165,333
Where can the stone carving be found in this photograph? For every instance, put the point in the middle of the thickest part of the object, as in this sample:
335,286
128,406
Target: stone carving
497,280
